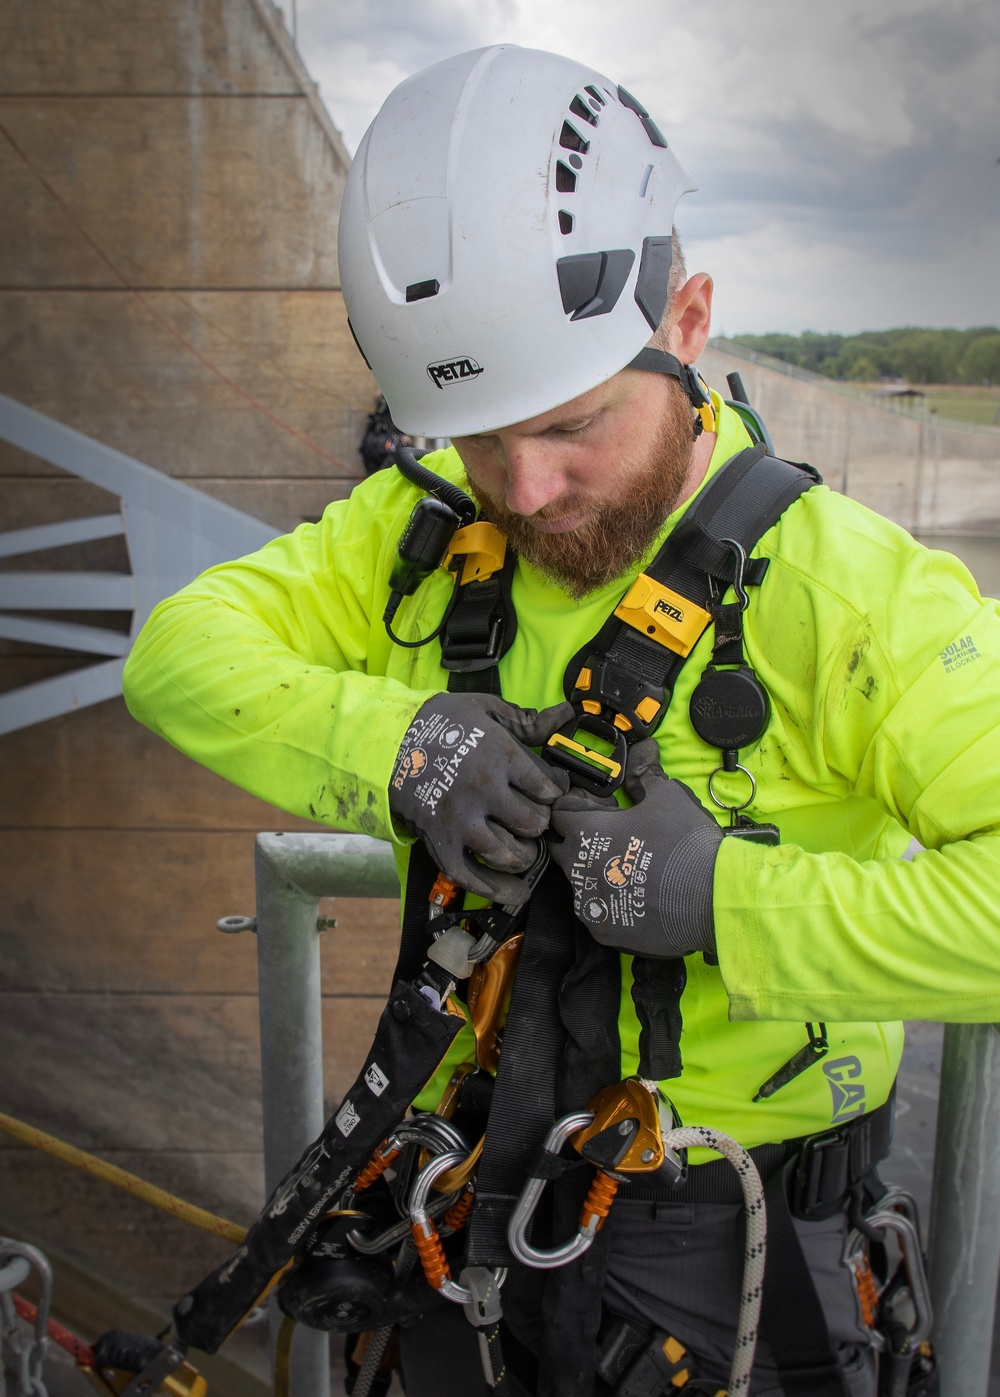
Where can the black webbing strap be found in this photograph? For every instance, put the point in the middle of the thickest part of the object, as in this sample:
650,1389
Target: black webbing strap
822,1181
420,874
791,1316
524,1098
657,986
589,1000
728,645
741,503
478,631
747,496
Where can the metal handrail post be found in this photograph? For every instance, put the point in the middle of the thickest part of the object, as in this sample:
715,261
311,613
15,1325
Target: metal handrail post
965,1208
293,871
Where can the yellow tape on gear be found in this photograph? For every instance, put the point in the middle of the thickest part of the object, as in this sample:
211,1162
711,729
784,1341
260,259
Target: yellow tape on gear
663,614
587,753
484,548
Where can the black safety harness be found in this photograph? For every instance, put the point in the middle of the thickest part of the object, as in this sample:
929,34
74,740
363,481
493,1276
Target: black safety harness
560,1038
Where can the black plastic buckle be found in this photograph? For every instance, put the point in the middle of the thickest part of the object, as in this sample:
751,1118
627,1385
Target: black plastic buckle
622,693
592,771
823,1176
465,657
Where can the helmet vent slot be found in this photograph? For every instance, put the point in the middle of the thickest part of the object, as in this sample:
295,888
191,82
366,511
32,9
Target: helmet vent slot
579,108
565,221
422,290
652,285
570,139
591,282
650,127
565,178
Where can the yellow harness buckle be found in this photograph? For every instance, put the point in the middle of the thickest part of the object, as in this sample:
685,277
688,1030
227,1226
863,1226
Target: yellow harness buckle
663,614
586,755
484,548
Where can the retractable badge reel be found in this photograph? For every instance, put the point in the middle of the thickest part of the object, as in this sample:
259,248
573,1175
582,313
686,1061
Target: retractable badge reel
730,708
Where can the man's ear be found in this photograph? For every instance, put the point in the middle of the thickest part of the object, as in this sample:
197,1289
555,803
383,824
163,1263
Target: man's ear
691,318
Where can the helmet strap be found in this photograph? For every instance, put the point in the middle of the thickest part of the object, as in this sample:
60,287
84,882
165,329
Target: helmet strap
658,361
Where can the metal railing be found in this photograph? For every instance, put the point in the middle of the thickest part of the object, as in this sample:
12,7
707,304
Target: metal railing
294,871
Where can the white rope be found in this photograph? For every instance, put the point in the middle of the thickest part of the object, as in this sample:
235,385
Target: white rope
687,1137
375,1352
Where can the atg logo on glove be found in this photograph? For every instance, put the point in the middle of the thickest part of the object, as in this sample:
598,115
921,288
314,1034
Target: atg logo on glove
453,371
411,765
618,871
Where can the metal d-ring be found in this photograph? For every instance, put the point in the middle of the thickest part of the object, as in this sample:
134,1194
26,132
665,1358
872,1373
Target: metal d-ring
733,809
741,567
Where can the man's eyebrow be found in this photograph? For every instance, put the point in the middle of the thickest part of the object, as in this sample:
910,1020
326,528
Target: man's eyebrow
569,424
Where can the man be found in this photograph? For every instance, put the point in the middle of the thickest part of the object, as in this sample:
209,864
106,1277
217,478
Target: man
506,254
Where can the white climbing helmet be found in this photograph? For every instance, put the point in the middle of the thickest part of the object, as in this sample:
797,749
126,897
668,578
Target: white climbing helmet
505,238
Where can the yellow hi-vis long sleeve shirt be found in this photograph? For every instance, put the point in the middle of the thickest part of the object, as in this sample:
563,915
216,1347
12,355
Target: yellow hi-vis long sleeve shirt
883,667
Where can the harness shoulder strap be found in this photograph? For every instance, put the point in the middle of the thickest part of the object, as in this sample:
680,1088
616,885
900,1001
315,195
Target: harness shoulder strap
631,666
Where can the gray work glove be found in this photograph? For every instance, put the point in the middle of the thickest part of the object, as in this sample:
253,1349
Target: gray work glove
466,783
642,878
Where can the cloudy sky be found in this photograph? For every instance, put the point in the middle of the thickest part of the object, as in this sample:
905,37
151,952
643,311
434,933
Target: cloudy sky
848,153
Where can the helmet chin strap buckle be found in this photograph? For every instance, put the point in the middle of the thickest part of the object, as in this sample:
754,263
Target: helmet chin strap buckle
658,361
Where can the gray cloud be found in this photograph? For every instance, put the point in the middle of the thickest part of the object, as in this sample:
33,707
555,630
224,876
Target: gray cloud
847,155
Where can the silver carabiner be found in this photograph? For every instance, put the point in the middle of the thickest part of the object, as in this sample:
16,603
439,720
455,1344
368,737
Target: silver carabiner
422,1223
433,1133
524,1209
896,1211
16,1261
886,1215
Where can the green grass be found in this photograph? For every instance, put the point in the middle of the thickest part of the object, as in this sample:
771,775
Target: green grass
955,400
979,405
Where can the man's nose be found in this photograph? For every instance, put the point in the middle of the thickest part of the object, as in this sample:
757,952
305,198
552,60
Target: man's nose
535,477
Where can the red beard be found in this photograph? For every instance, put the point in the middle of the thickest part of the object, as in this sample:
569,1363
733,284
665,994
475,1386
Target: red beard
617,535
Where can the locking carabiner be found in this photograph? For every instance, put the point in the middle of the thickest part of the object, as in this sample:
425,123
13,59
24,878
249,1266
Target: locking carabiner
524,1209
896,1212
621,1133
425,1234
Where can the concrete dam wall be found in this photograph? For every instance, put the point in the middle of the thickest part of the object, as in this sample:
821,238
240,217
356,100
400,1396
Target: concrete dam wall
928,474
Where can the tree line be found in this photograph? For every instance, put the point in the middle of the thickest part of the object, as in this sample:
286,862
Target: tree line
918,355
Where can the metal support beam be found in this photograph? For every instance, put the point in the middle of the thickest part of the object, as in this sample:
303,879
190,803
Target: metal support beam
173,532
293,872
43,536
965,1208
